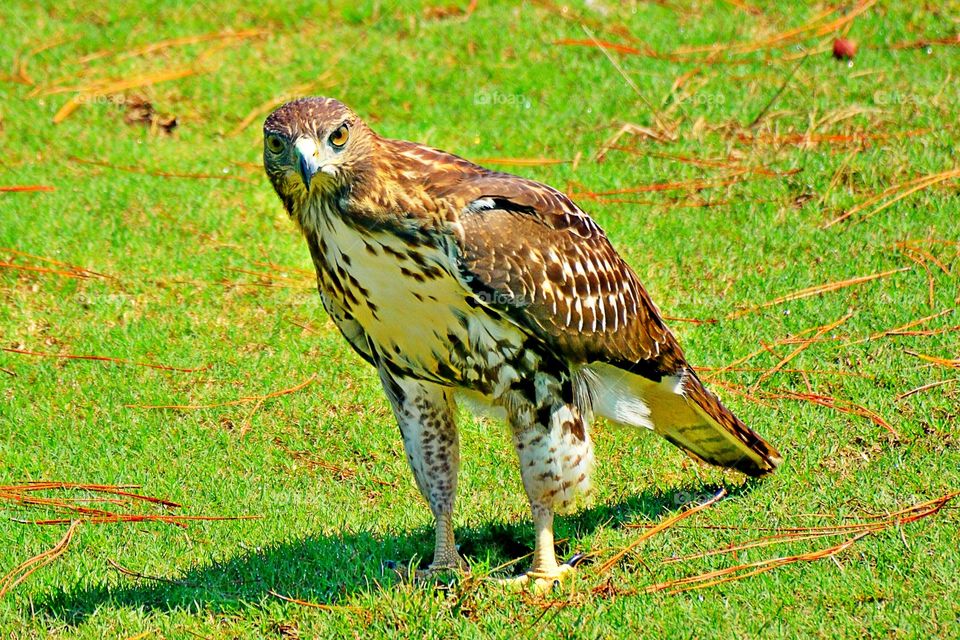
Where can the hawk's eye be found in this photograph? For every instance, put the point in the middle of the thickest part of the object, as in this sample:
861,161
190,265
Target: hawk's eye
339,136
274,143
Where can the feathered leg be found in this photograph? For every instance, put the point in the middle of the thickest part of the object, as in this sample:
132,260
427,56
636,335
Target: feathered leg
555,463
425,414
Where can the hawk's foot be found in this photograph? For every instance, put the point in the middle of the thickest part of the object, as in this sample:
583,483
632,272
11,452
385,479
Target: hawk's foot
543,579
449,565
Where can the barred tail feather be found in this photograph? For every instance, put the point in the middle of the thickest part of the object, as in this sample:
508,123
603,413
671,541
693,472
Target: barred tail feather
683,411
722,439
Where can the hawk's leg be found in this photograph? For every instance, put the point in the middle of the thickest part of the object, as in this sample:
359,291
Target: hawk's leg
555,462
425,413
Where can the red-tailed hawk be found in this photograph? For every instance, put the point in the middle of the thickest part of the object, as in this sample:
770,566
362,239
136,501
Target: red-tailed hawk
454,280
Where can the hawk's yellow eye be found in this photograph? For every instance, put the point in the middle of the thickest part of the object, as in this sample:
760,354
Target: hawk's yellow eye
274,143
339,136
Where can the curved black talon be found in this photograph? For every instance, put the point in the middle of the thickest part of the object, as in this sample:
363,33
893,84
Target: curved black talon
576,559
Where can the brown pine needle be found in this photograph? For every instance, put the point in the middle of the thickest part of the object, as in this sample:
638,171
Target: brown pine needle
816,291
925,253
796,338
72,356
520,162
604,44
796,534
691,320
23,571
138,517
901,330
158,173
24,267
229,403
741,391
720,576
905,189
52,503
317,605
812,372
119,490
179,42
136,574
919,260
72,267
666,524
689,185
765,541
843,406
813,29
27,187
96,90
803,346
930,385
299,90
929,182
943,362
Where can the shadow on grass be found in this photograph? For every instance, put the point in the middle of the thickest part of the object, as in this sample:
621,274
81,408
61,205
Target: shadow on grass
329,569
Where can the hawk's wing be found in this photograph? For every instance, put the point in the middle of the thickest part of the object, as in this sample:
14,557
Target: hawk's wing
528,249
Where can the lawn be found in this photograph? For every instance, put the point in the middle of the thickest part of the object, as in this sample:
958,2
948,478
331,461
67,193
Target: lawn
795,214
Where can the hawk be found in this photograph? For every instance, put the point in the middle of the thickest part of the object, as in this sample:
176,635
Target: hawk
456,281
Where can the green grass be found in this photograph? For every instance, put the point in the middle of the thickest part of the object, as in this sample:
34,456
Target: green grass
491,85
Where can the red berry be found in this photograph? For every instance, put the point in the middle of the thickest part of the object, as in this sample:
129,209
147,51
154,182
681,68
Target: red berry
844,49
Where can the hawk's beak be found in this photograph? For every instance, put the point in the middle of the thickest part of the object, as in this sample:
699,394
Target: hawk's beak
311,159
308,159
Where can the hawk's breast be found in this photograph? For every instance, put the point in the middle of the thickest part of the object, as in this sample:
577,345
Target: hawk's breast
405,292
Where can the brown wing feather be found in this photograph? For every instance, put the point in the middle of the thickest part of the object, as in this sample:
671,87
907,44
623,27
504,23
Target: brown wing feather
571,288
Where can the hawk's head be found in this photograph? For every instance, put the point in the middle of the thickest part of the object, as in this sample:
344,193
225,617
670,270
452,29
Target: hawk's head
315,146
